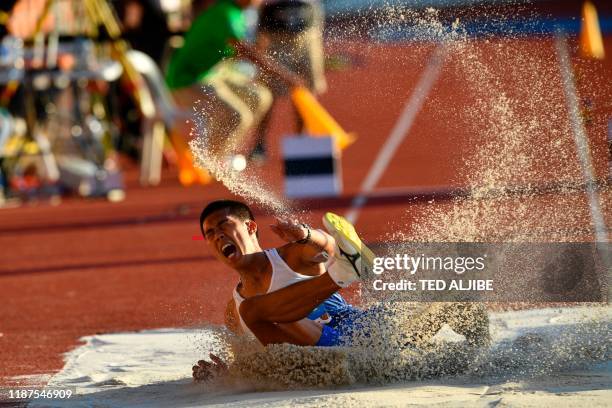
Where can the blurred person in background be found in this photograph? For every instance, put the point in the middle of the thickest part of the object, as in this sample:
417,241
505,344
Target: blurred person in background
144,26
23,17
290,32
5,11
209,68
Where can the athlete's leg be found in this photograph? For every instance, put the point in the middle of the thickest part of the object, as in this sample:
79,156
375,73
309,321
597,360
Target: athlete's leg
290,303
304,332
472,321
425,324
276,317
295,302
468,319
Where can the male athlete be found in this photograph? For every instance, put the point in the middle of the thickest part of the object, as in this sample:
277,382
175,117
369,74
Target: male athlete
288,294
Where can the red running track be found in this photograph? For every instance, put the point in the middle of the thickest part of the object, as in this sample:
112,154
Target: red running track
89,266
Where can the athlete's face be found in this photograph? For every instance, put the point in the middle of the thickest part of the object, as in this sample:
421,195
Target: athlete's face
229,237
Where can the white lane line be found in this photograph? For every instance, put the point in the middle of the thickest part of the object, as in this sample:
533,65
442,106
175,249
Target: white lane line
399,131
584,156
580,138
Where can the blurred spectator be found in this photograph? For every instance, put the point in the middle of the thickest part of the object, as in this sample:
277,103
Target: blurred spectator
144,27
25,14
5,10
291,32
233,100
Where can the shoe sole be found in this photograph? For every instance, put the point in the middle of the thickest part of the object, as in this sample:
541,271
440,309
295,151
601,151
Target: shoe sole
344,233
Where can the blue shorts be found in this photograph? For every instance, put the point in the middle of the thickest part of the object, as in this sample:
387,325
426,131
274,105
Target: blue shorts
343,324
329,337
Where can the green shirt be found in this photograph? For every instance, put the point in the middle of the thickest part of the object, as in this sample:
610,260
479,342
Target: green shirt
206,43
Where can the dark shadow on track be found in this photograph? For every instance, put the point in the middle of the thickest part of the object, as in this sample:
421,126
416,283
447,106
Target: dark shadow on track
84,267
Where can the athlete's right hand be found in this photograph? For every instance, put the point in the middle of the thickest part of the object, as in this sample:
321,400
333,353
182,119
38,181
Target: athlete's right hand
206,370
289,230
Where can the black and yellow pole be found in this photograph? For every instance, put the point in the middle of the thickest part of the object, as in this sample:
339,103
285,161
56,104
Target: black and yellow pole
101,14
4,17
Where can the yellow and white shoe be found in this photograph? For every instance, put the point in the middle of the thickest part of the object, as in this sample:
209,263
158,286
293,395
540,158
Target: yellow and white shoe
353,260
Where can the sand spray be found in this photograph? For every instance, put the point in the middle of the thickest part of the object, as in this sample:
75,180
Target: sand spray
526,135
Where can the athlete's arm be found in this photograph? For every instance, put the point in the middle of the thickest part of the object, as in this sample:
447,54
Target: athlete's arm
231,319
308,243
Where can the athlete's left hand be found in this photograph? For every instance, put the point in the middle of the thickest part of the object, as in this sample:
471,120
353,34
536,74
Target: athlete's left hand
289,231
207,370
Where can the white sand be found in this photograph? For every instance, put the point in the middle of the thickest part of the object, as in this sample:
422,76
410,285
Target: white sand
152,368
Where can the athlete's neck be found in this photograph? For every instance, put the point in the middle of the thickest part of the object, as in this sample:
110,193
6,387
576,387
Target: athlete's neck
254,273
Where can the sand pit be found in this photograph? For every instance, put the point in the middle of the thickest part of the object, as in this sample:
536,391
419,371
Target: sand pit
152,368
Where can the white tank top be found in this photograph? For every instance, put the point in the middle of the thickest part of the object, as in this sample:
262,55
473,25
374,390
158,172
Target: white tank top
282,276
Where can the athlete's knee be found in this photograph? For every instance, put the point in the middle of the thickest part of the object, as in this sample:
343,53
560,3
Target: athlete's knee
473,323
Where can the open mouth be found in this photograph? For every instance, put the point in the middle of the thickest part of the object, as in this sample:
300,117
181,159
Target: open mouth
229,250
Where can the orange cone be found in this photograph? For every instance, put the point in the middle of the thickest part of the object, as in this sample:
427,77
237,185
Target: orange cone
188,173
317,121
591,42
